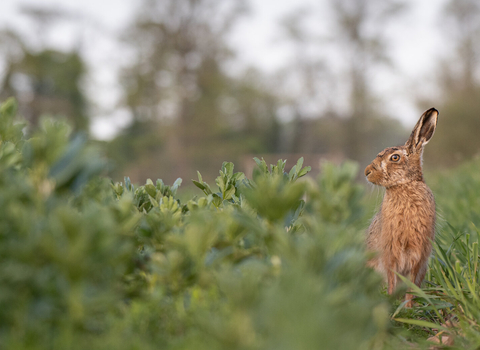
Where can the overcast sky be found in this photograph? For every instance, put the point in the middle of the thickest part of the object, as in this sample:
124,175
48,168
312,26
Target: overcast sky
416,41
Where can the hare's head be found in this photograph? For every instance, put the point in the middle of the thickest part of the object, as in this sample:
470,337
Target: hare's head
403,164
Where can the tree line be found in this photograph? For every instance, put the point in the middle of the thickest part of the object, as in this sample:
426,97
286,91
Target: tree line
190,111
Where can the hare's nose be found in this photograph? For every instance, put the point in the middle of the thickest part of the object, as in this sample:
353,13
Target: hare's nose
368,170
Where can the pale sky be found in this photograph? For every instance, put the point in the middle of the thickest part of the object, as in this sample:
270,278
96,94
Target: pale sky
416,41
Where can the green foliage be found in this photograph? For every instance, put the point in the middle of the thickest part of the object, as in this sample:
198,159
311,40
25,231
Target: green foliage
88,263
62,266
228,184
241,274
10,131
268,262
279,170
339,198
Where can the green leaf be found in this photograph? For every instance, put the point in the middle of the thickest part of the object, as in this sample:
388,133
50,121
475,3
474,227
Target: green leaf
220,181
177,184
299,164
216,200
151,189
199,185
229,192
292,173
304,171
160,185
203,202
153,201
203,186
421,323
228,168
238,176
261,165
128,184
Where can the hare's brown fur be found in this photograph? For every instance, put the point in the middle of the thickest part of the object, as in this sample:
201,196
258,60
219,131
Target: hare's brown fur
402,232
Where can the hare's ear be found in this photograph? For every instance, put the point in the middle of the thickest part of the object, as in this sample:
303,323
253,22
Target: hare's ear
423,131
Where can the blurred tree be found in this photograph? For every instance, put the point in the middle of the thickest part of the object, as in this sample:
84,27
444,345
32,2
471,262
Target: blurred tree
48,82
305,82
326,67
463,23
360,34
44,80
459,86
178,86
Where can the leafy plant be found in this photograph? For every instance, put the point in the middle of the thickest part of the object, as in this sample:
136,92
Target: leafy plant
267,262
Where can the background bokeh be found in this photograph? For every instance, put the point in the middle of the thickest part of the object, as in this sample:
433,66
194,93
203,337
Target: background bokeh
171,87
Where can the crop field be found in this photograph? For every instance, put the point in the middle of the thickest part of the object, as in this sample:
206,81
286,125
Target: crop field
268,262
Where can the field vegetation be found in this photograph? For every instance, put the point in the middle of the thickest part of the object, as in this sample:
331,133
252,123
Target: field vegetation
275,261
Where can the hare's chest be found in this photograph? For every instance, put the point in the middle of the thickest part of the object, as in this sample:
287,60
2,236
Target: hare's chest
408,221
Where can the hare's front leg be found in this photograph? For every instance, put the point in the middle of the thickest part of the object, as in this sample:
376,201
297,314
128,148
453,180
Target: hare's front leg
391,280
416,276
409,297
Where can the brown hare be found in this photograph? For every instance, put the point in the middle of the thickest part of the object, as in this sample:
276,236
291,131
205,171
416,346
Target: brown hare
403,230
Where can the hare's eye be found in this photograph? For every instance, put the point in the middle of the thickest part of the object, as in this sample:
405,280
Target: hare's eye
395,158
